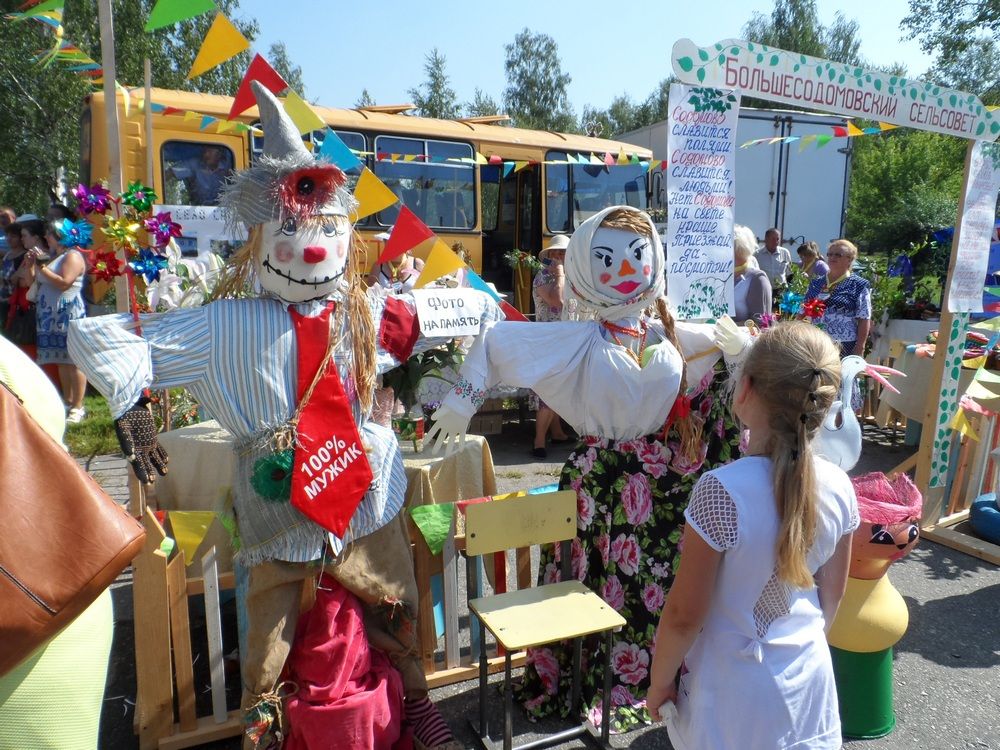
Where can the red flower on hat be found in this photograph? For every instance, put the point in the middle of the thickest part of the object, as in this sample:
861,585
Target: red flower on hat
305,191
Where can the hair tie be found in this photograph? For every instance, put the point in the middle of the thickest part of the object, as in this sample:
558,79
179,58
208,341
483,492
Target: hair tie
812,397
803,418
795,454
816,373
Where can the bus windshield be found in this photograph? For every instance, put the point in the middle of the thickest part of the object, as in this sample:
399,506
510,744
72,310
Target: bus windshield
575,192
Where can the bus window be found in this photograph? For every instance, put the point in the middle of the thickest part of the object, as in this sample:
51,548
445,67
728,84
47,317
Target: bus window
578,191
354,141
489,189
194,173
433,183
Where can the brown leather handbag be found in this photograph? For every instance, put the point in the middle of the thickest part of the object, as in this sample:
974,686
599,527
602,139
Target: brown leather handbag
63,540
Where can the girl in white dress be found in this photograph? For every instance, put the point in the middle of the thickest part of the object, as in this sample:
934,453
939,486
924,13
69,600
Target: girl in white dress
764,565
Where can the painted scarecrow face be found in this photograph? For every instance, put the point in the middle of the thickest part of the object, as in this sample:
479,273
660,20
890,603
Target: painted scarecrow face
302,262
621,263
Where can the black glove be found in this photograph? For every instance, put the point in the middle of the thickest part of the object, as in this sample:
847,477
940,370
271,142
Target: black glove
136,432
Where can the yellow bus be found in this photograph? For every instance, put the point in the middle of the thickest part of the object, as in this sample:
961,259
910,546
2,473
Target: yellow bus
489,208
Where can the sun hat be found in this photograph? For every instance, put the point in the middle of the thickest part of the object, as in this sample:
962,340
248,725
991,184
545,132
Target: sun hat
558,242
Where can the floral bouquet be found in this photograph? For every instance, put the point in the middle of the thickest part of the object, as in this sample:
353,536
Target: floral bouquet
518,259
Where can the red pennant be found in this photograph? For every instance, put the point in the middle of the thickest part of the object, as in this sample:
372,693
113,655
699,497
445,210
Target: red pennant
262,72
331,470
511,312
171,110
407,233
494,159
839,132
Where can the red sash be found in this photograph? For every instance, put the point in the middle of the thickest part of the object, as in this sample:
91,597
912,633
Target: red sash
332,472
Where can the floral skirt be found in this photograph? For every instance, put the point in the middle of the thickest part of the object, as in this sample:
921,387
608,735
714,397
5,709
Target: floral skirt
631,496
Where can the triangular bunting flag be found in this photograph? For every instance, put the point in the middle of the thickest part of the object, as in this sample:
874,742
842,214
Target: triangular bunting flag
622,159
609,160
519,165
305,119
512,313
189,528
634,160
886,126
190,116
337,153
408,232
595,160
167,12
262,72
372,195
974,363
822,140
206,120
441,261
475,281
839,131
960,424
871,131
496,159
480,159
222,42
507,167
225,126
853,130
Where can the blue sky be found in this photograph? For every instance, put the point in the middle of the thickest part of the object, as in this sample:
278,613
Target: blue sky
607,48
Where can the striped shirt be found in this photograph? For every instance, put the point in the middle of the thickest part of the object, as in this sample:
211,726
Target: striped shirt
238,358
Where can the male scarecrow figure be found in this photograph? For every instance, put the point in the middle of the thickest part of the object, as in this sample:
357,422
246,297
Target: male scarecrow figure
286,360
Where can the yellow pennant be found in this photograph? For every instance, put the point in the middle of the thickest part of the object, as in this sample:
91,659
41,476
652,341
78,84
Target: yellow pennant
372,195
806,140
222,42
519,165
190,116
960,423
853,130
409,157
225,126
190,527
622,159
441,261
302,114
884,126
480,159
975,363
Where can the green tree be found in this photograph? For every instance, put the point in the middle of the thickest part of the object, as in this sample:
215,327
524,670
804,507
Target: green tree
171,50
950,29
904,185
623,115
435,97
277,55
536,95
794,25
365,100
482,105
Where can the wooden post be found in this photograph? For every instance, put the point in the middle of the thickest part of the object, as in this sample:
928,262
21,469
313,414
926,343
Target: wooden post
148,119
934,496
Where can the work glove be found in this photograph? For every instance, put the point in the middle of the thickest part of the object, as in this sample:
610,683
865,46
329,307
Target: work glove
449,430
136,431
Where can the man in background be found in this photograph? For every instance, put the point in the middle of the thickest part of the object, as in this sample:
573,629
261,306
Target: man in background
773,259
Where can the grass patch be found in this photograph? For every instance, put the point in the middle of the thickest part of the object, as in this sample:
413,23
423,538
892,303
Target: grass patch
511,474
95,435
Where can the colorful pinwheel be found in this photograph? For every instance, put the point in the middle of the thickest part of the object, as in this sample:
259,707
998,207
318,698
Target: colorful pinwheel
161,228
139,197
791,303
93,200
106,266
814,309
76,233
121,232
148,264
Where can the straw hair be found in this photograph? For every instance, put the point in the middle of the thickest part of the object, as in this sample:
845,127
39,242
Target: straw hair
690,427
628,221
794,371
238,281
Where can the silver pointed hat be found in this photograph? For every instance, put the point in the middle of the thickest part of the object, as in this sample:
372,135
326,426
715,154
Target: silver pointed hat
254,196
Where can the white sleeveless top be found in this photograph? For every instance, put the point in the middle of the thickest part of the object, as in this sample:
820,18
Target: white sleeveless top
759,674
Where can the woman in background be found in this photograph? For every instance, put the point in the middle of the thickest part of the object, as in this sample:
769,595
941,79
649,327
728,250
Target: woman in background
751,287
809,261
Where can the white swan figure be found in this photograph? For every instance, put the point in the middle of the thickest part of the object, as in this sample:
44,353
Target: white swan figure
839,437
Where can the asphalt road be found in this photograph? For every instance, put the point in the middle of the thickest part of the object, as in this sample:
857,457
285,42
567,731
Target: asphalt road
947,680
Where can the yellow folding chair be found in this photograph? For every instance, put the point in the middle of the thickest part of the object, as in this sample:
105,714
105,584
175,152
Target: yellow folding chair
540,615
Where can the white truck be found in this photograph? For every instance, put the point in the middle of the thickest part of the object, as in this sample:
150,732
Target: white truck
802,193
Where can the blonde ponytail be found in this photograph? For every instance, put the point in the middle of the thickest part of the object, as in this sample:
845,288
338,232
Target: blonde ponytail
794,369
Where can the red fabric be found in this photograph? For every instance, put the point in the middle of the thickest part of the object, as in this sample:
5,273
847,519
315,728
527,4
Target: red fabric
511,312
260,71
332,473
18,303
399,329
408,232
349,693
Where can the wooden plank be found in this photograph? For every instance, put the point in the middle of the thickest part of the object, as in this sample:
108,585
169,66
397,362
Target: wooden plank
180,638
970,545
427,635
197,585
951,520
463,673
523,557
978,471
450,578
206,731
958,483
906,465
154,702
213,624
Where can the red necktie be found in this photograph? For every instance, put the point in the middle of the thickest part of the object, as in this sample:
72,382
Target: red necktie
332,472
